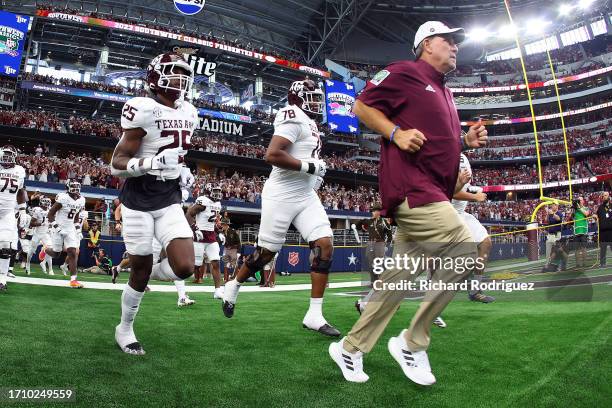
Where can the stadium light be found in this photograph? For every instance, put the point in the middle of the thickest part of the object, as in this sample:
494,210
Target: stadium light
537,26
507,31
478,34
584,4
565,9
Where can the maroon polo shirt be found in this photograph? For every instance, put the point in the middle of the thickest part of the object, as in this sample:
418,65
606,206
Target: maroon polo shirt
413,95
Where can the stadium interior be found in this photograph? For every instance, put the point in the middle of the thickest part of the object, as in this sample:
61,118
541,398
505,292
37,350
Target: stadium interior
80,61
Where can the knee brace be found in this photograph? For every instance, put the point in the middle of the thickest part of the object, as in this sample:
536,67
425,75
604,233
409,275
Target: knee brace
317,263
258,259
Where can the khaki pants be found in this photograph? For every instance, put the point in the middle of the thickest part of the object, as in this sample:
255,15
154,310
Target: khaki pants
550,241
434,230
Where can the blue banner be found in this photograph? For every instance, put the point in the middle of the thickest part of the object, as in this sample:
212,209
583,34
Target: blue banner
339,101
86,93
13,30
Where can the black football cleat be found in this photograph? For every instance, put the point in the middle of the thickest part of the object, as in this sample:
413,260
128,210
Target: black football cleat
228,309
115,274
3,288
326,330
481,297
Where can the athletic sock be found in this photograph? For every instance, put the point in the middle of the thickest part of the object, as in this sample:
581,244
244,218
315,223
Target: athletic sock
4,265
180,288
231,291
130,302
314,316
73,278
163,272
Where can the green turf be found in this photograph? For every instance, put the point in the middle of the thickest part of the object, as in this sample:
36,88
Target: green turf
505,354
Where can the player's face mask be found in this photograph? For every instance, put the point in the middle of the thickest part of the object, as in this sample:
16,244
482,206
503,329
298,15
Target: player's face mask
176,81
313,102
74,188
8,158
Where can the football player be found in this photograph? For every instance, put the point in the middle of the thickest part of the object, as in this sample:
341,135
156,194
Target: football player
289,197
80,224
12,195
156,135
460,201
62,217
203,217
25,238
40,235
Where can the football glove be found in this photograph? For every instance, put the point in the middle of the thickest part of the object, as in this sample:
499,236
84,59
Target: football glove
315,167
167,159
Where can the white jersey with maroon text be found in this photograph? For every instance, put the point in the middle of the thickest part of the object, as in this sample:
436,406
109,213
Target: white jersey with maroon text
11,181
70,209
464,164
291,185
206,219
40,216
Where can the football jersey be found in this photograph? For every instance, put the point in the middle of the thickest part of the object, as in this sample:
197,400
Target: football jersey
80,220
291,185
206,220
40,216
70,209
460,205
11,181
165,128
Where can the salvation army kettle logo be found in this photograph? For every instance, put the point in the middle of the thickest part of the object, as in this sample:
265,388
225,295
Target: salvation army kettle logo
189,7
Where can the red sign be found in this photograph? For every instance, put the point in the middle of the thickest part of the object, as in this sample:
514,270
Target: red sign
294,258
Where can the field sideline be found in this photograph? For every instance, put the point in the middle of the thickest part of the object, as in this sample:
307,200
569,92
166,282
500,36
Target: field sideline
518,351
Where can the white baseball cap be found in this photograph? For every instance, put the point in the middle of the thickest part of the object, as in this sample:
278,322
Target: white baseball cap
431,28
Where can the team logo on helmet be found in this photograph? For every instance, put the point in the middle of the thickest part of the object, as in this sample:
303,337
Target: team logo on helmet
307,96
189,7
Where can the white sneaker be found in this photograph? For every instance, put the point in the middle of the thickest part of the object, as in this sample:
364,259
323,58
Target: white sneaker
64,269
415,364
439,322
351,364
186,301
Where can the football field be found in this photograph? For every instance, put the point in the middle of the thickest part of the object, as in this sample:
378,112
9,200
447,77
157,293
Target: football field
521,350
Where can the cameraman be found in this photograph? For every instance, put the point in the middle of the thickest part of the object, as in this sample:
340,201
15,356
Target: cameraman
103,264
604,217
581,229
558,256
553,233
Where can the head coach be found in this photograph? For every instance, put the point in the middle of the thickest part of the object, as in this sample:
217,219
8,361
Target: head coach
410,106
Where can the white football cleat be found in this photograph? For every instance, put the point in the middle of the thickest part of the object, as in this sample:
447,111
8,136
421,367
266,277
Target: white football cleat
439,322
127,342
414,364
64,269
351,364
10,275
186,301
43,266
